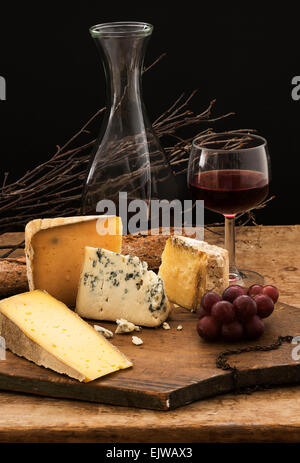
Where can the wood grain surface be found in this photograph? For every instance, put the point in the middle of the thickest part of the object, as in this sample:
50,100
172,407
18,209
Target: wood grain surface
267,416
172,368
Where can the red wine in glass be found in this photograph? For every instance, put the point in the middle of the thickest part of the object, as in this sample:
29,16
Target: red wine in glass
229,191
230,172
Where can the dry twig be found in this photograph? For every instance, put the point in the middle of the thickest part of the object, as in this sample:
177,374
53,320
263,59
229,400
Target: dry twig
54,188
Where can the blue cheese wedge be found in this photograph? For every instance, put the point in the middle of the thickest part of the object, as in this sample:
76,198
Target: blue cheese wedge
113,287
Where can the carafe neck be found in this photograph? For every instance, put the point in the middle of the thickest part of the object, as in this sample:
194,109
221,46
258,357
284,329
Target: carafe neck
123,57
124,63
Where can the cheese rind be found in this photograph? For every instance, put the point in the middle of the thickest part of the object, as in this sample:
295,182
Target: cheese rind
54,251
115,287
38,327
190,267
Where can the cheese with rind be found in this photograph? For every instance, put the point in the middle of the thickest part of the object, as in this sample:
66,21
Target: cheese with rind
113,287
190,268
54,251
38,327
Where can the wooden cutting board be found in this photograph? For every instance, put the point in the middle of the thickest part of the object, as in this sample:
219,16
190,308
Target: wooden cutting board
172,368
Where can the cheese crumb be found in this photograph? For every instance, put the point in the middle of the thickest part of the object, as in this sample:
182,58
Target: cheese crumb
166,326
124,326
137,341
106,333
179,327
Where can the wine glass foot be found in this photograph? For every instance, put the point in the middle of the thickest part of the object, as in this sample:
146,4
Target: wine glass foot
246,278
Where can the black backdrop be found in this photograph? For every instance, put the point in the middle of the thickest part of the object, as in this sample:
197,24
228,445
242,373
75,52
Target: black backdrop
244,57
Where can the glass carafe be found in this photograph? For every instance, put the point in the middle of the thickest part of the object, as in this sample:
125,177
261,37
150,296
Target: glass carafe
128,156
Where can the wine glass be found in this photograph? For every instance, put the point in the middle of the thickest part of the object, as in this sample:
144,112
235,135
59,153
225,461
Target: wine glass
230,171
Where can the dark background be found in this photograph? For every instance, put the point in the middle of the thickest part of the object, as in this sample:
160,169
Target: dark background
244,57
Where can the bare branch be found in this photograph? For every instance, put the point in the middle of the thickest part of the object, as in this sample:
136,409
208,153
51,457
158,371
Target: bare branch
54,187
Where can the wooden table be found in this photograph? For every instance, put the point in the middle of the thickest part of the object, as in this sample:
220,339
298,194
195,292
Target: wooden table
267,416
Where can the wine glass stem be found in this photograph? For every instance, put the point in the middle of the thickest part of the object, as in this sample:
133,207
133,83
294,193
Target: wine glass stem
230,246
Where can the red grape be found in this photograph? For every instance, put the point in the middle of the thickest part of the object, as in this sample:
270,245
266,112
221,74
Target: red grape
255,289
232,292
245,307
201,312
208,300
272,292
254,327
232,331
208,328
223,311
265,305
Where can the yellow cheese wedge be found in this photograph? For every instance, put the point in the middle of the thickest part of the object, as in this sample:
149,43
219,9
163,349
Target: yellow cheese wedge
38,327
54,251
190,267
183,271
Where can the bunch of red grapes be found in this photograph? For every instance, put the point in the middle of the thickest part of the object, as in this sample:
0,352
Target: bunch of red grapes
238,314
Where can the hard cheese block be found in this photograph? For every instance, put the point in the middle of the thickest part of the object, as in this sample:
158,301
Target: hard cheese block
38,327
190,267
113,286
55,247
